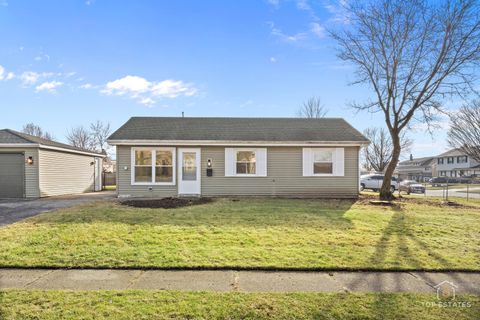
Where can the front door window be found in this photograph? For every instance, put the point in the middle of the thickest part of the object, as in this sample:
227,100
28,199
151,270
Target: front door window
189,166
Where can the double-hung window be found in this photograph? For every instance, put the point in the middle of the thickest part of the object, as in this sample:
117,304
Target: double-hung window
323,162
246,162
450,160
153,166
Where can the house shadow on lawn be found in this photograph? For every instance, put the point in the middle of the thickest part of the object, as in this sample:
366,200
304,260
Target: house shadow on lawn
235,212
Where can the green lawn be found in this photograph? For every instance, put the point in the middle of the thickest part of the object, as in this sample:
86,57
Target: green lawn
49,305
251,233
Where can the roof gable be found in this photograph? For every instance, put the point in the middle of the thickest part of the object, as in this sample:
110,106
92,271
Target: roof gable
9,136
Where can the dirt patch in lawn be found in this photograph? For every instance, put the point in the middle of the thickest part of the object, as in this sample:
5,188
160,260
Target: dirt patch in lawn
165,203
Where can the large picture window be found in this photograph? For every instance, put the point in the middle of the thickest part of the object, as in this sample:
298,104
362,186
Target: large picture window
153,166
246,162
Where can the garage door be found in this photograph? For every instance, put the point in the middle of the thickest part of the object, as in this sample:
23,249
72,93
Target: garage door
11,175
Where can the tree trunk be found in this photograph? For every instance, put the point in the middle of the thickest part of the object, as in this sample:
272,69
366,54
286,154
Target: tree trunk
385,192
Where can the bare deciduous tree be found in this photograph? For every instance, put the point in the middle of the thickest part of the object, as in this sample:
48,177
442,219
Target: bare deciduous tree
35,130
464,132
81,138
312,108
100,132
378,154
412,54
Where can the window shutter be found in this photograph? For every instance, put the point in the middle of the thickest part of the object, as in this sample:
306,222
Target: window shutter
261,154
307,162
229,162
339,164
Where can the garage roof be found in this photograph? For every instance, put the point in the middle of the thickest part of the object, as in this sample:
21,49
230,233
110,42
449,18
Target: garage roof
9,138
262,130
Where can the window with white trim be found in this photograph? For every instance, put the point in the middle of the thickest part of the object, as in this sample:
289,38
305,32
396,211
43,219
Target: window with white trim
246,162
322,162
153,166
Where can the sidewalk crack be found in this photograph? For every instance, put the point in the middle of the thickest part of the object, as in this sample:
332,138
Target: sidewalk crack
41,277
135,279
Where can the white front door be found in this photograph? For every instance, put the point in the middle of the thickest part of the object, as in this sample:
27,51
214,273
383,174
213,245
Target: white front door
189,171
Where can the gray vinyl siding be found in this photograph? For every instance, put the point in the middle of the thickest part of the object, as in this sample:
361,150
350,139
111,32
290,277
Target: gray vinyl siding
65,173
31,171
284,177
124,185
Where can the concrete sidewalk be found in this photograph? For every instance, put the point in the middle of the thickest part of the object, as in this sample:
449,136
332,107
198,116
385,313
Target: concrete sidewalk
241,281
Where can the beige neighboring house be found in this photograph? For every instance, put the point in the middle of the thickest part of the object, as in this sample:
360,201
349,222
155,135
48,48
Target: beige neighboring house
165,156
32,167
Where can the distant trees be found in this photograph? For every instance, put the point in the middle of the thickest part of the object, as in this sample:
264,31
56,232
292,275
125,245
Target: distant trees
464,132
35,130
312,108
378,154
93,138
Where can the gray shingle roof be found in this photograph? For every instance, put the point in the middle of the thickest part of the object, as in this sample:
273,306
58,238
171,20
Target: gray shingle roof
238,129
9,136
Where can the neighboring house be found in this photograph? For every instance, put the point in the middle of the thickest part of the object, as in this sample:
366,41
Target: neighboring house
162,157
418,169
454,163
32,167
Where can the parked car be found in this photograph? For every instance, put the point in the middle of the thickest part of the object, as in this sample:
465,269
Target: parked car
374,182
411,186
439,181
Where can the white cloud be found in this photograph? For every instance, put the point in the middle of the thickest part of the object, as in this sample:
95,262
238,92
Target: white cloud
172,89
87,86
286,37
10,76
48,86
145,92
133,85
317,30
273,59
29,77
147,101
2,71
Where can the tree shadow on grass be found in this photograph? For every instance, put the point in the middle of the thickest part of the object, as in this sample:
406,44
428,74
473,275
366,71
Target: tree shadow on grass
261,213
406,257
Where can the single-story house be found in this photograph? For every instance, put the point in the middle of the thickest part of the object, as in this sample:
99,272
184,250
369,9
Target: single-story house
166,156
32,167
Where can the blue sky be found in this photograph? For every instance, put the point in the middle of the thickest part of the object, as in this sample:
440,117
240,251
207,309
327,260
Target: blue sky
69,63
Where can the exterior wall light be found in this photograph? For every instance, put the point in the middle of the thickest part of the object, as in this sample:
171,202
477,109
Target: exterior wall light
209,168
30,160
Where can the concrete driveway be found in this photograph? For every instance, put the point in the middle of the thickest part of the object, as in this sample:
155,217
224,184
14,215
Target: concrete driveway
13,210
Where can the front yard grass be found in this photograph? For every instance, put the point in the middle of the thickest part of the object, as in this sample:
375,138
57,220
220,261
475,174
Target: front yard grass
415,234
202,305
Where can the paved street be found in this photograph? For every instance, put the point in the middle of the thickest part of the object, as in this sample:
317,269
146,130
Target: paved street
241,281
456,193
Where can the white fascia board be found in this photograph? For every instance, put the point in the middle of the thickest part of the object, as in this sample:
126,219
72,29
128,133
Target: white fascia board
73,151
236,143
41,146
19,145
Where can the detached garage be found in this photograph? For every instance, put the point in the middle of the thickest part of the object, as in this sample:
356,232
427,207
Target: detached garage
32,167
